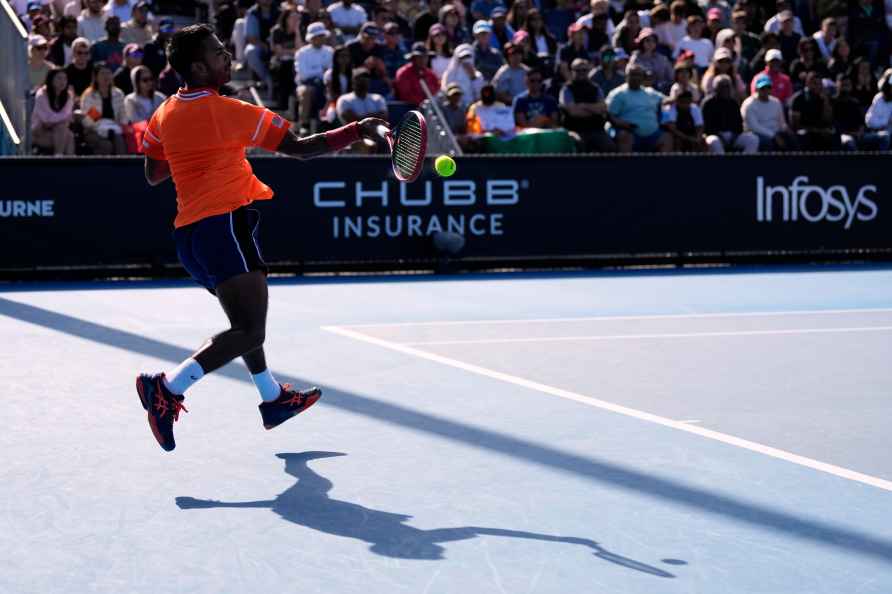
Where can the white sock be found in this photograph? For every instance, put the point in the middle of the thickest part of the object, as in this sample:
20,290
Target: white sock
267,385
183,377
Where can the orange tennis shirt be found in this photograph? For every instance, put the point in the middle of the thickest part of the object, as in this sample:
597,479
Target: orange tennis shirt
203,137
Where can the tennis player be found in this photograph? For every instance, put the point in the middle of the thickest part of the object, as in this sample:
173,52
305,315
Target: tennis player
198,138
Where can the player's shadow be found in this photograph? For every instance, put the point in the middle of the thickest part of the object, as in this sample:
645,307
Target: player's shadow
307,504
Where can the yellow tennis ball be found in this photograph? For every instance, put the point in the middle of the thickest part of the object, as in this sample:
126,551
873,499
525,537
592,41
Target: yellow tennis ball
444,165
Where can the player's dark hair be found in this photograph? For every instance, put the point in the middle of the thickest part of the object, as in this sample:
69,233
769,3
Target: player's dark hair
186,47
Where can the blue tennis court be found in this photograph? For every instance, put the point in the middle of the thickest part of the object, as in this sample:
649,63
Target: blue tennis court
708,431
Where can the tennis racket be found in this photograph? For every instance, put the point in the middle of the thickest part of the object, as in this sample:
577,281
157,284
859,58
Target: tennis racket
408,145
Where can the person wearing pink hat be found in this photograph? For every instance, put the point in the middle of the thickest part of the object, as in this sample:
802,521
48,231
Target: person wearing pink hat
721,9
523,41
651,60
576,48
440,49
714,23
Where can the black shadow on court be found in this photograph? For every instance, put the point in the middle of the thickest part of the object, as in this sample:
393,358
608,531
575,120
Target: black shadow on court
307,504
600,471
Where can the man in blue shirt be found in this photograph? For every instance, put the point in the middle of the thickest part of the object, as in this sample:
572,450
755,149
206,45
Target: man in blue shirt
535,109
634,115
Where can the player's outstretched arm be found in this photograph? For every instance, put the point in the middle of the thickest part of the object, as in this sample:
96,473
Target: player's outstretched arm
156,171
331,141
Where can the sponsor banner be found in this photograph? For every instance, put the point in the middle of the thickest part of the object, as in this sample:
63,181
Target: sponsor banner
101,212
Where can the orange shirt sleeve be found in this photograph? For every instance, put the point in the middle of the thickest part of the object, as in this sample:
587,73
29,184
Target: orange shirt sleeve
151,141
251,125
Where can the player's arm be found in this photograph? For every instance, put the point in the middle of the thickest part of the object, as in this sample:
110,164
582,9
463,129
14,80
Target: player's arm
156,171
331,141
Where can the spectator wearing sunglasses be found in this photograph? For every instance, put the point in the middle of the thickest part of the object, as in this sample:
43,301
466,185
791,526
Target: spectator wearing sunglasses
38,66
144,100
80,71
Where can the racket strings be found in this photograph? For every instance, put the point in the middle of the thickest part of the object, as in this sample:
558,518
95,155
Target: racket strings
408,147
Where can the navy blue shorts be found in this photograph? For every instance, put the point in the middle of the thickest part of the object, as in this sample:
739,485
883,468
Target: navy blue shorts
220,247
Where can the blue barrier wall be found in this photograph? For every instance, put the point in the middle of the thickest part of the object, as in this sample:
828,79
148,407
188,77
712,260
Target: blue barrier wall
331,211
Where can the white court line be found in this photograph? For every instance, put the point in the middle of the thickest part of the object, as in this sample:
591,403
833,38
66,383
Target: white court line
743,314
623,410
650,336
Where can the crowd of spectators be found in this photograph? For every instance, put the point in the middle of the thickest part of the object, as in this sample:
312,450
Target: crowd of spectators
615,75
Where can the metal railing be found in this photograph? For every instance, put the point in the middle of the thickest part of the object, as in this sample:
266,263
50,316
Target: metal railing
14,83
440,139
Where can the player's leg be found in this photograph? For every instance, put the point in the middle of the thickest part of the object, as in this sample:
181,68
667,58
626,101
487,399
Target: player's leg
244,299
232,302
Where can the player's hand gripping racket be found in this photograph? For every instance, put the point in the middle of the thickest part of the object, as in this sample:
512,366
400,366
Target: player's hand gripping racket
408,145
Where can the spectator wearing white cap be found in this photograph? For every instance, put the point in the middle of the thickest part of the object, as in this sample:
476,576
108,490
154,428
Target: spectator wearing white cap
38,66
461,70
781,86
722,121
773,25
347,16
91,22
80,71
486,59
763,115
310,63
510,80
723,64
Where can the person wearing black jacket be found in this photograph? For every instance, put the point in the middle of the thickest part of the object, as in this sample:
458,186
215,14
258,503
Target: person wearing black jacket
584,110
723,123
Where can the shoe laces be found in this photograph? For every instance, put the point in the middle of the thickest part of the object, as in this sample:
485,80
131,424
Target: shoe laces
297,398
164,404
